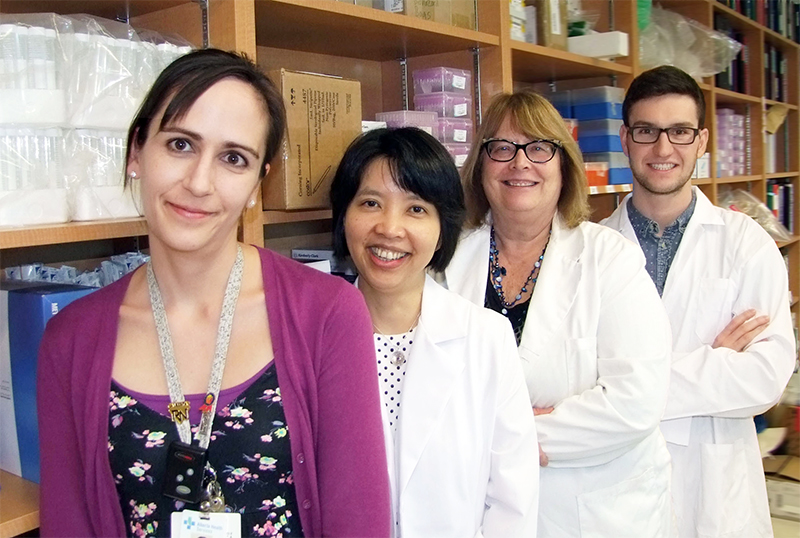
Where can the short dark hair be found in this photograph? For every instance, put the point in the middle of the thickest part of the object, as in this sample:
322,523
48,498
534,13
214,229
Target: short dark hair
419,164
664,80
187,78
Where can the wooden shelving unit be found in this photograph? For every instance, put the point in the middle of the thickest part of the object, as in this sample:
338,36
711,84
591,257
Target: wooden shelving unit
19,505
376,48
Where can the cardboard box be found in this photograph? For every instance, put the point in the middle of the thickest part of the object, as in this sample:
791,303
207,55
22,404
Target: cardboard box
783,486
323,117
462,14
430,10
552,23
25,309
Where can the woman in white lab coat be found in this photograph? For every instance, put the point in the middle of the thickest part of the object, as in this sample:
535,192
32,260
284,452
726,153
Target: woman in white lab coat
593,336
459,428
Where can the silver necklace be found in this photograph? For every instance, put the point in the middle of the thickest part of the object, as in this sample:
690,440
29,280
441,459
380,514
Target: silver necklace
398,355
212,498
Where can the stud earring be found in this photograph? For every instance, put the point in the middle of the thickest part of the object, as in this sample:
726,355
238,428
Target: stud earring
251,204
132,176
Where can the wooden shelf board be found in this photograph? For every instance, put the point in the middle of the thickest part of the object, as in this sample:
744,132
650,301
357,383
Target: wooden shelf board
779,40
341,29
781,175
535,63
743,20
728,96
705,87
19,505
738,179
794,300
792,241
770,102
702,181
609,189
280,217
109,9
71,232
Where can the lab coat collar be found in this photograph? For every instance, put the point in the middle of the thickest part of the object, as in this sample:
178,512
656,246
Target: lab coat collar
704,214
431,376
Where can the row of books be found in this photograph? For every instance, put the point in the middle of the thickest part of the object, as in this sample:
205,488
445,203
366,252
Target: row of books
780,199
776,69
781,16
737,76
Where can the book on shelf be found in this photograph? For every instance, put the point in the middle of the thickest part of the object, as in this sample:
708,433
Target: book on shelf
780,200
781,16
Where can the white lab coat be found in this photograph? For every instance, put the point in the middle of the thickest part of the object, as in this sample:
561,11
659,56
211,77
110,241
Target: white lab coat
725,264
596,346
464,461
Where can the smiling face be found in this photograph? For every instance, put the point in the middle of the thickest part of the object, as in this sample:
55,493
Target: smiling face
663,167
391,233
521,186
198,173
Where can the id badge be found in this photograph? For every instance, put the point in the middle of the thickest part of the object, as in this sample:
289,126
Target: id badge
183,479
191,524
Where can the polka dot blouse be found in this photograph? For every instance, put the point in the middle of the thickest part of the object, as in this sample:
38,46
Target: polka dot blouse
392,352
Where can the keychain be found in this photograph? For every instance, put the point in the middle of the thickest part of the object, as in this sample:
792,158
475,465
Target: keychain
213,500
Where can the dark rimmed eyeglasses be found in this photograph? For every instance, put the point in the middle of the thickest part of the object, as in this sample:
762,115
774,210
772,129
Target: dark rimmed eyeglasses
681,136
537,151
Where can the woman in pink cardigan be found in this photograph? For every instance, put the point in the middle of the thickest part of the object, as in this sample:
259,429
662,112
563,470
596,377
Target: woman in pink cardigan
221,383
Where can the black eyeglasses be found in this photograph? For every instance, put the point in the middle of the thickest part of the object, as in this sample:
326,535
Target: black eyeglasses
681,136
537,151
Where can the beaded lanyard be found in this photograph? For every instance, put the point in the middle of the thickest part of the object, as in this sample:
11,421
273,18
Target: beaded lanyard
497,273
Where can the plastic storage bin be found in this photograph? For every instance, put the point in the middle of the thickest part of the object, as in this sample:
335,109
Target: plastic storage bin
596,144
442,79
427,121
446,104
598,94
454,130
614,159
620,176
459,152
604,127
596,174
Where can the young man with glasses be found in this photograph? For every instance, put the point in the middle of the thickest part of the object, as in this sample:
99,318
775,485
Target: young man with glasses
724,284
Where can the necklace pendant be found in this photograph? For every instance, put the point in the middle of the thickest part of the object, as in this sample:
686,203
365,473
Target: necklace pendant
398,358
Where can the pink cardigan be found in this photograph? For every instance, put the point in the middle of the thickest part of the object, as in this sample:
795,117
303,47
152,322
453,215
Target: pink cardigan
324,354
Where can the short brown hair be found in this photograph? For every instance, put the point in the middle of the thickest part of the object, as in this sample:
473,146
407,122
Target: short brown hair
535,117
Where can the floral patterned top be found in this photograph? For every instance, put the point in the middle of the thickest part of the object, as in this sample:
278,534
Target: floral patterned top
249,449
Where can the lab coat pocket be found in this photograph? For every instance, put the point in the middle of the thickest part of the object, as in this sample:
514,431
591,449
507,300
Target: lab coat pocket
714,307
546,375
635,508
581,364
724,493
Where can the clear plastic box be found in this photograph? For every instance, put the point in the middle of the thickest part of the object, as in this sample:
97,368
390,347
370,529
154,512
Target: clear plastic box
454,130
446,104
614,159
459,152
442,79
599,94
607,127
427,121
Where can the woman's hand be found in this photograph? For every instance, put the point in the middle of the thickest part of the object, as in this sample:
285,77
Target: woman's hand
543,459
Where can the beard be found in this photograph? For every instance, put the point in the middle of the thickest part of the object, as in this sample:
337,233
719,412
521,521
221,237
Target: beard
662,189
